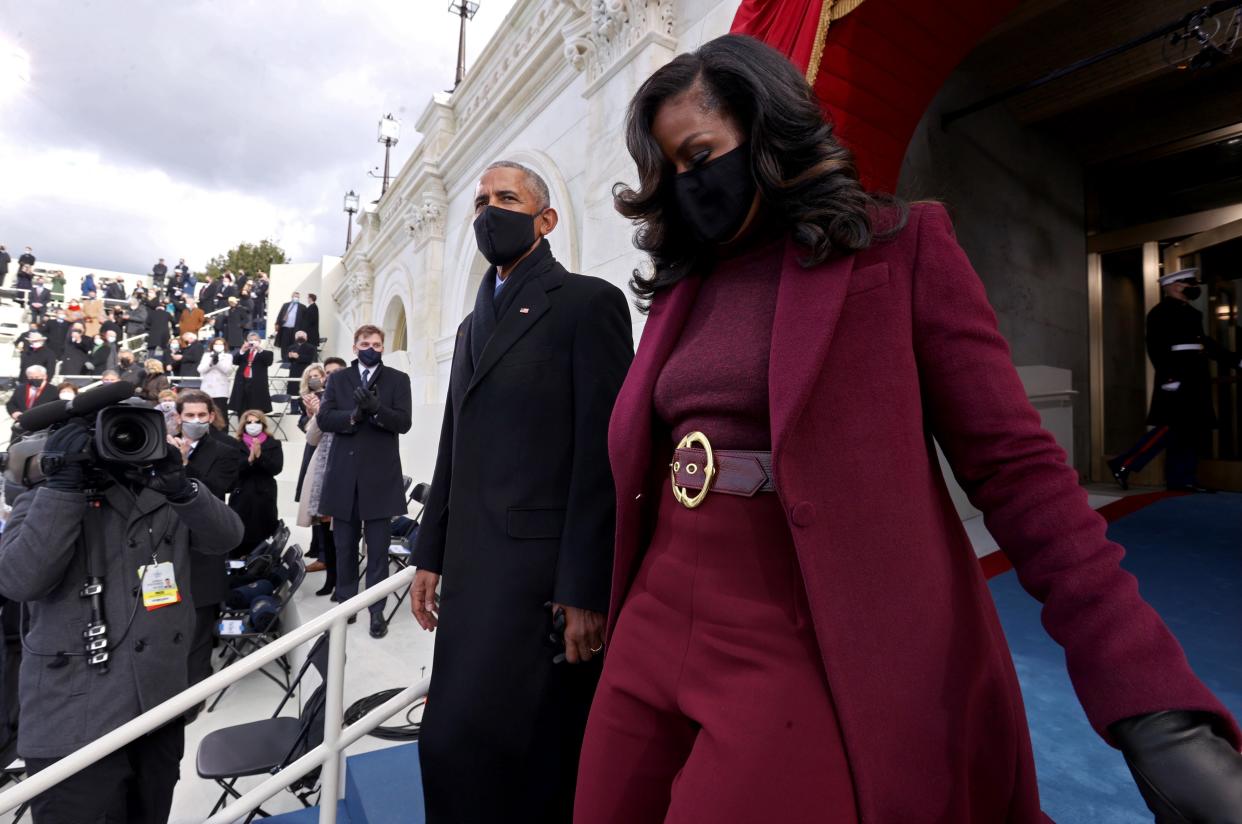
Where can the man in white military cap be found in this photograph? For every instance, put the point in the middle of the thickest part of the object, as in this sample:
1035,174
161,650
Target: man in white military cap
1182,415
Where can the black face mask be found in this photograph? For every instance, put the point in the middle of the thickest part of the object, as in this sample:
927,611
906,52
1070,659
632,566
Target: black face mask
36,381
503,235
369,357
1192,292
715,198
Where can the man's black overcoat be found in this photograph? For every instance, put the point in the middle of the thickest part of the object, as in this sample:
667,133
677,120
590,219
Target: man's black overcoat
215,465
365,464
521,513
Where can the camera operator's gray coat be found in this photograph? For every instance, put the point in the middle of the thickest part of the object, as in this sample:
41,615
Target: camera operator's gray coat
65,706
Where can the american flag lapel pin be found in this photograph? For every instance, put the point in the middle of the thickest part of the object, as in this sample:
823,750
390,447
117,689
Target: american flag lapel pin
525,310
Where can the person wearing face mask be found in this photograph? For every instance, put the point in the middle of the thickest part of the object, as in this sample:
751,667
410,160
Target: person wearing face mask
93,313
37,352
216,371
184,355
135,318
367,406
31,392
77,352
250,386
520,520
106,354
215,465
799,630
191,318
310,476
40,299
290,320
235,321
56,330
67,391
1181,415
254,497
299,355
159,327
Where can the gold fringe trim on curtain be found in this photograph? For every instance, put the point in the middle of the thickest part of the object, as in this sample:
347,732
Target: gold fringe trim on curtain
830,11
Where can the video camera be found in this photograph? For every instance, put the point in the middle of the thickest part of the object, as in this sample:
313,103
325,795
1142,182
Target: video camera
122,433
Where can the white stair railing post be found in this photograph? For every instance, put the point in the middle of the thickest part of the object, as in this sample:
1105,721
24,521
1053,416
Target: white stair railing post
333,721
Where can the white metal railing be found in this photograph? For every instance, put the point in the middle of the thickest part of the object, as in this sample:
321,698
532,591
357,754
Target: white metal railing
327,754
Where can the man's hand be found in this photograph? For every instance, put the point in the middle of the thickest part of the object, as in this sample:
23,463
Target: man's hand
584,633
367,400
68,444
424,602
183,446
167,477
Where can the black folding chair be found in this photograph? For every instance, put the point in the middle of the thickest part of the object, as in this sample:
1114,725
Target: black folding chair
267,746
400,550
239,640
280,408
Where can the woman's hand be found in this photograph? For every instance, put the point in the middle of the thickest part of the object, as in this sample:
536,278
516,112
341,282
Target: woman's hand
256,449
1184,770
311,401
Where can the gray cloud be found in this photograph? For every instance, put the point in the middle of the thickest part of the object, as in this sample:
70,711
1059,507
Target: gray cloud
276,100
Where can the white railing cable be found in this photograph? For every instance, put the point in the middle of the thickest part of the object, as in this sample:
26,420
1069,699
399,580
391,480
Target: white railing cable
327,754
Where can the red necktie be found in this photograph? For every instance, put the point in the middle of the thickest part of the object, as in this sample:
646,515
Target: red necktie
31,394
249,360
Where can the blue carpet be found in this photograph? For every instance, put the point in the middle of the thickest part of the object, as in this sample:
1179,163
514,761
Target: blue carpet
1187,555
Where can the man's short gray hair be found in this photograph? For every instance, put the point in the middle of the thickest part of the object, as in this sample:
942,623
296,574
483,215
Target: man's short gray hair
537,185
35,369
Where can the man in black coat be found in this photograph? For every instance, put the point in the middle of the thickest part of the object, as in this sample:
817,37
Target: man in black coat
312,321
519,521
40,299
1181,403
250,389
36,352
368,406
158,272
300,356
209,300
115,290
5,257
184,359
56,330
159,326
216,466
27,258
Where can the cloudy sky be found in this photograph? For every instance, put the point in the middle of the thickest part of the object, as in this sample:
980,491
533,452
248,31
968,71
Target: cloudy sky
170,128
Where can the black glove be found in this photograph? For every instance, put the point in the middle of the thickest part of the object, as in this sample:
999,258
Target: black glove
65,456
168,477
215,358
1185,771
367,400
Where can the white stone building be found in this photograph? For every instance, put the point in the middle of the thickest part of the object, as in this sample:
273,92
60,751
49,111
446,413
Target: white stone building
550,91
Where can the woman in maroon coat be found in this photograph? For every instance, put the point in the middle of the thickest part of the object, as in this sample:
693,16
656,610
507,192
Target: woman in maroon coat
799,628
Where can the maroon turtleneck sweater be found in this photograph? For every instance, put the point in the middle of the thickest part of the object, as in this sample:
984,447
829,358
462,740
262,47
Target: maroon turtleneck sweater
716,379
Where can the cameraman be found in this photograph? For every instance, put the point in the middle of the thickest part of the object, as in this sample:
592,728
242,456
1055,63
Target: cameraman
148,515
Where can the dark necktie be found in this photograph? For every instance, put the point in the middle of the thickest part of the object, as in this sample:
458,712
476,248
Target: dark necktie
366,378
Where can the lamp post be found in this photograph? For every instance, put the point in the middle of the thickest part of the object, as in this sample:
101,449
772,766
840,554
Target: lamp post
389,131
351,209
465,9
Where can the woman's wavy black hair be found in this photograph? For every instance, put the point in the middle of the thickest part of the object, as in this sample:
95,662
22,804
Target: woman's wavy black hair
806,178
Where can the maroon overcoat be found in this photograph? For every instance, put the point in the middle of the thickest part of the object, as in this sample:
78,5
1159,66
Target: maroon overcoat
871,356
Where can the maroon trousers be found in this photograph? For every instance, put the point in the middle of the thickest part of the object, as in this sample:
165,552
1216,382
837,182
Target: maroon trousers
712,669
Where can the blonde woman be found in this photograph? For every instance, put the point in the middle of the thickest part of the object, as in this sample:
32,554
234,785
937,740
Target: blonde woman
155,382
254,497
310,481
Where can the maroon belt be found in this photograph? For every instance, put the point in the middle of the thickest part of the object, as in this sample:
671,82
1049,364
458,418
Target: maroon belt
697,469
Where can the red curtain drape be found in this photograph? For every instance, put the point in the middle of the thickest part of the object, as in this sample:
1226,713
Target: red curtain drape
882,63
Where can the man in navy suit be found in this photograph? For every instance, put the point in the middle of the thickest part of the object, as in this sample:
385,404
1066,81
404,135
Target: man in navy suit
368,407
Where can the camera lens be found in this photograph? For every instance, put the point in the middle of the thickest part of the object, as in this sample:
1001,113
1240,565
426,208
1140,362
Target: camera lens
127,436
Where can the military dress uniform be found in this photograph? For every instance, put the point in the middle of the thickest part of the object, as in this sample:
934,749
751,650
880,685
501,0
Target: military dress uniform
1181,413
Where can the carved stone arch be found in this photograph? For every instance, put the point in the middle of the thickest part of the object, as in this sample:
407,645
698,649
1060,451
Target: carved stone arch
395,305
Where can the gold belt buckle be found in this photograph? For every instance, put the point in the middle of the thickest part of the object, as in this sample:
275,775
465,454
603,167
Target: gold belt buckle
680,493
